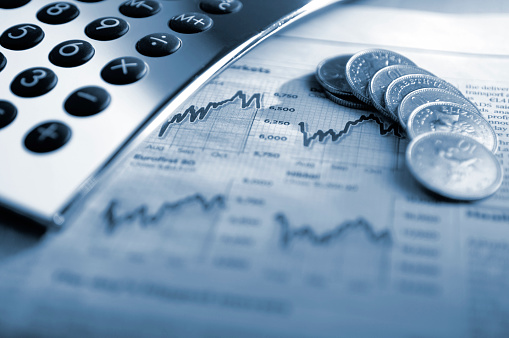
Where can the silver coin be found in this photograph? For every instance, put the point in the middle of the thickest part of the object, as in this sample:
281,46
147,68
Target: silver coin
426,95
383,78
331,74
454,166
404,85
347,101
452,118
362,66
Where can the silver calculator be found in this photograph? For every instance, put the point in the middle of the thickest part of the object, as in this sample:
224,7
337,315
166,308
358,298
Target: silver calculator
79,80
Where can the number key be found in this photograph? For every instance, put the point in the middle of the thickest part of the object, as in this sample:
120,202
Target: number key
58,13
34,82
71,53
23,36
108,28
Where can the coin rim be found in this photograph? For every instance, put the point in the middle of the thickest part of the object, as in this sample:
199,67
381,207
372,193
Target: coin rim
413,135
376,101
404,123
395,82
355,90
327,86
345,103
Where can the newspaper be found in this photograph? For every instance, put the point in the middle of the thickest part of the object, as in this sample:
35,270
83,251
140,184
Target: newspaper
262,209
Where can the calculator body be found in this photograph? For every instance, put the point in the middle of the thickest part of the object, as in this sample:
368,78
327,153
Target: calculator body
44,185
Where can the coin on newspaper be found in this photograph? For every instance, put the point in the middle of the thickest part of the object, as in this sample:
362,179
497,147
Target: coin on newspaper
454,166
349,101
453,118
331,74
383,78
362,66
404,85
426,95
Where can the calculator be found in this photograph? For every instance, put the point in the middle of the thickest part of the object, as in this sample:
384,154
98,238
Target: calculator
82,80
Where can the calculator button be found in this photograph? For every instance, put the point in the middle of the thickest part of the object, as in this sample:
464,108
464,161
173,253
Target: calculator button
87,101
58,13
71,53
124,70
108,28
189,23
34,82
140,8
220,6
3,61
48,136
23,36
8,113
8,4
158,44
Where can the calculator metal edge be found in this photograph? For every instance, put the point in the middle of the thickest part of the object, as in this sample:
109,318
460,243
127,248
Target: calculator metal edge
164,111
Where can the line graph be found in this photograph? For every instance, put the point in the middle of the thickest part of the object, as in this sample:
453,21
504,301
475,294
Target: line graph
335,136
144,218
288,235
201,113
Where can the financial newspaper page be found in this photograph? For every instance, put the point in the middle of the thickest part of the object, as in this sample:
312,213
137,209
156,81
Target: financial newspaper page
262,209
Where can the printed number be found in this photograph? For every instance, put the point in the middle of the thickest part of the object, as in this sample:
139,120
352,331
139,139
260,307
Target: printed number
282,108
24,31
35,78
290,96
273,138
283,123
58,9
75,49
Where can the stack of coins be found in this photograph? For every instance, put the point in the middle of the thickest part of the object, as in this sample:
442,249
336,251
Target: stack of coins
452,146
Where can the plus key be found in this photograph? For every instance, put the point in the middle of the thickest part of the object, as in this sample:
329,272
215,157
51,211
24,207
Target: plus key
47,137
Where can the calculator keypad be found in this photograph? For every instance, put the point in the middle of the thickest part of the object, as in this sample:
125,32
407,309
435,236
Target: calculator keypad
58,13
71,53
79,78
23,36
107,28
34,82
